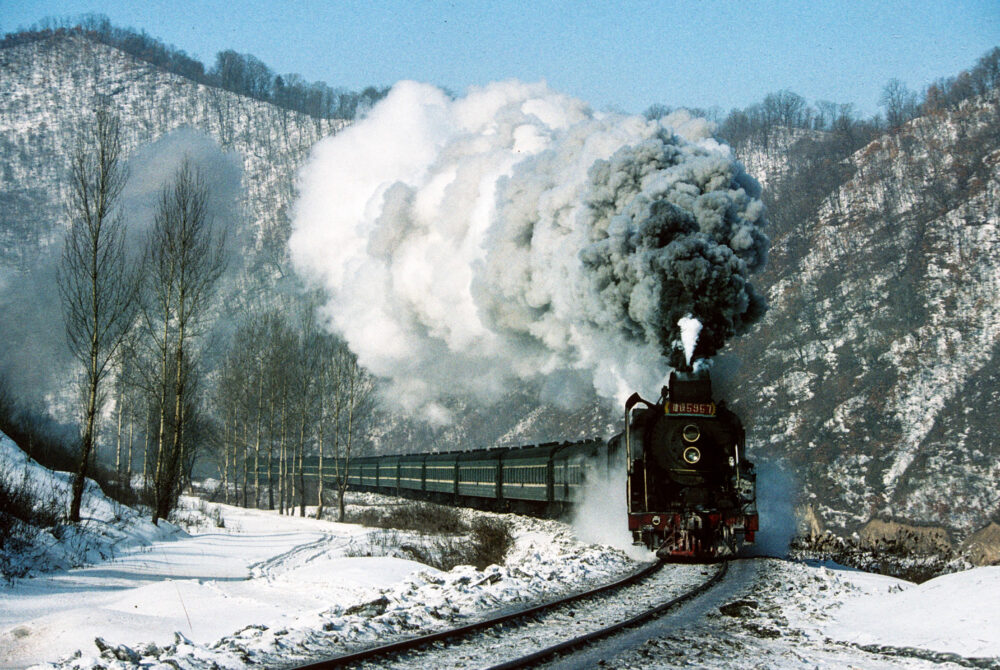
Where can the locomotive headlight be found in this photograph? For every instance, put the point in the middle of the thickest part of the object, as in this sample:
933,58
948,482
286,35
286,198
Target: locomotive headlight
691,433
692,455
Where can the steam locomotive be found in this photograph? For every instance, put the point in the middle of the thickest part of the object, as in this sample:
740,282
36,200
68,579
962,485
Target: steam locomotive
691,491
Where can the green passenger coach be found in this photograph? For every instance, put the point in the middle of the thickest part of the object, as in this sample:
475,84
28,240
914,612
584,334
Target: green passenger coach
543,478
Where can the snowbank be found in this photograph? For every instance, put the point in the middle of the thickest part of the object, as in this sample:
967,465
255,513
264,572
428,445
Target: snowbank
957,613
831,606
106,529
261,570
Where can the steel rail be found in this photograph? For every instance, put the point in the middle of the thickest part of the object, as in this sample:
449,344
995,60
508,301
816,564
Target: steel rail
413,643
577,642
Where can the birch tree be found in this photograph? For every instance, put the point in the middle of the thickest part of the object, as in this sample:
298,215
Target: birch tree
330,399
307,368
357,390
96,283
184,261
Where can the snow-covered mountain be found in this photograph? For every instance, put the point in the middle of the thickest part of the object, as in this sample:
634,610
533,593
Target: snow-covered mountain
48,87
875,373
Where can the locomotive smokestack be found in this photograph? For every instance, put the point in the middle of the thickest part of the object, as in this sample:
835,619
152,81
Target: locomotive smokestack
691,386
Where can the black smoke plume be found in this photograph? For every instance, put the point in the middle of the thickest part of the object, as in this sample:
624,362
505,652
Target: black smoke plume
516,236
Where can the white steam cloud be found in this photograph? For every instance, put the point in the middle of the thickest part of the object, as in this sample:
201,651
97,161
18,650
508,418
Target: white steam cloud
690,329
516,235
600,515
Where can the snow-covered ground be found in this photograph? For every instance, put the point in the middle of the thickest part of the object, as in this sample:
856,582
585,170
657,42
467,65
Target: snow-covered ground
266,584
262,589
957,613
267,589
261,570
790,615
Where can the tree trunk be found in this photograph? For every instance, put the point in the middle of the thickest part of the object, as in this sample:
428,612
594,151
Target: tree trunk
347,444
161,432
246,462
92,382
118,441
256,447
145,448
131,439
302,478
282,458
88,442
270,450
319,472
170,483
225,460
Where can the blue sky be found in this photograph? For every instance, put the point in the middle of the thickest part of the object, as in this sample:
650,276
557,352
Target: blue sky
615,55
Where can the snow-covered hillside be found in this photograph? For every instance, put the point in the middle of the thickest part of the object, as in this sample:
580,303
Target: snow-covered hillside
875,372
107,528
50,86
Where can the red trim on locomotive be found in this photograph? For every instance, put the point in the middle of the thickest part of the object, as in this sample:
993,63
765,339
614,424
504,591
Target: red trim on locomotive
747,522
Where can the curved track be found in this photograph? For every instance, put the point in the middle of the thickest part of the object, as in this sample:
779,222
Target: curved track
640,618
548,629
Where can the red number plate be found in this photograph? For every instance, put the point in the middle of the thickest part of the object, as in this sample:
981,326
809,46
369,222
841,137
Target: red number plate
700,408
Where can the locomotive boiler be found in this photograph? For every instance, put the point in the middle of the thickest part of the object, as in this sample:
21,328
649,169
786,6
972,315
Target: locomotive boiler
691,491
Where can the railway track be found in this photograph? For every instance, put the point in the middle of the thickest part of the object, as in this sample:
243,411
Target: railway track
530,636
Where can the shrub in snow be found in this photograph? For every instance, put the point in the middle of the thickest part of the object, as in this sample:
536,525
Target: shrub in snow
416,516
491,541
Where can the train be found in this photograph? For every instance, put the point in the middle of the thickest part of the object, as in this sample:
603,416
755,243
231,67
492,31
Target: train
542,479
690,491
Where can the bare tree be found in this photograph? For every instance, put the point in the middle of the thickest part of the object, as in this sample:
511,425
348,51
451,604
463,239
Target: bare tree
324,382
230,385
330,354
785,108
238,400
357,398
900,103
122,371
308,368
96,283
826,114
280,342
184,260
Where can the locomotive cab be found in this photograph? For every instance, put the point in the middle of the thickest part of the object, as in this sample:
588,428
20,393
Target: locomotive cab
690,488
